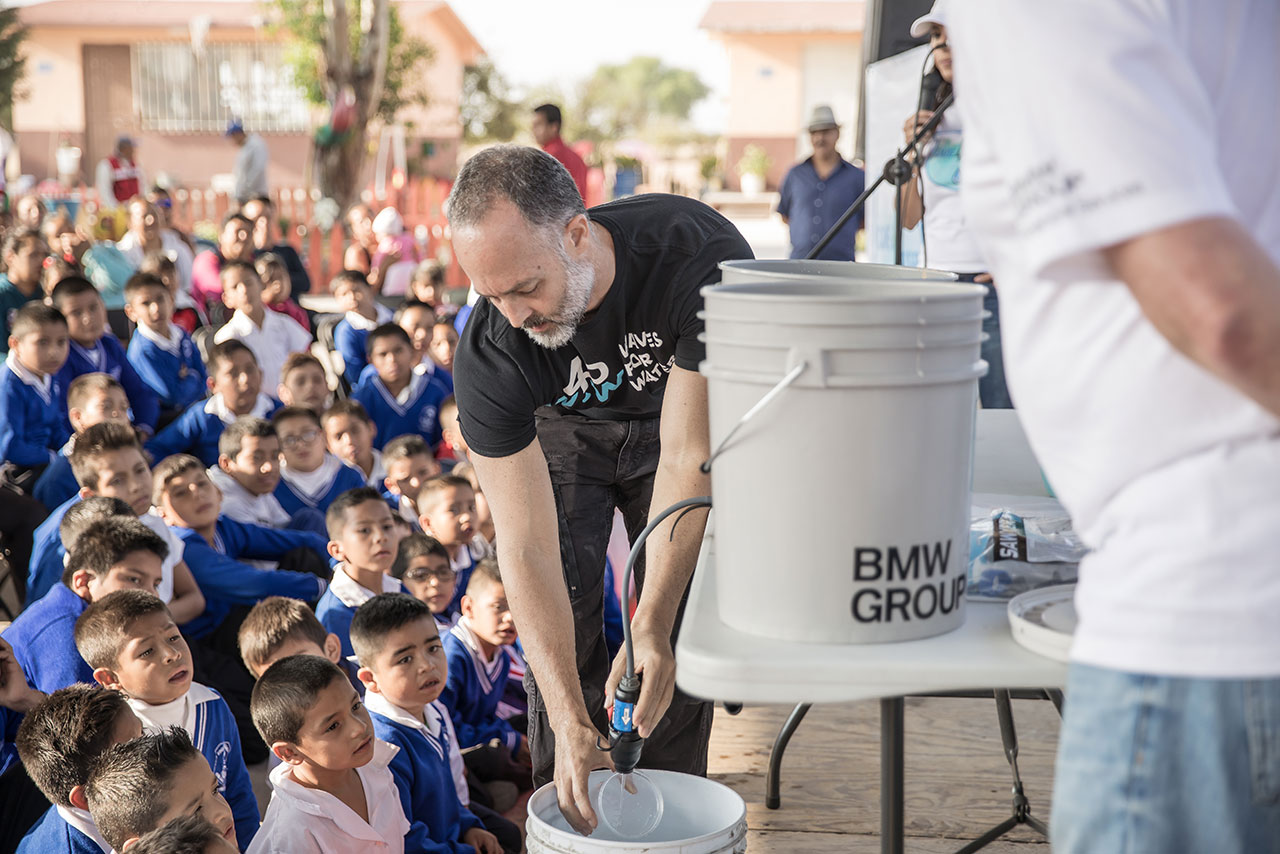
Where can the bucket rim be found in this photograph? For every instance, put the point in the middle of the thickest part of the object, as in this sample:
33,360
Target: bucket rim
970,373
782,290
779,268
958,344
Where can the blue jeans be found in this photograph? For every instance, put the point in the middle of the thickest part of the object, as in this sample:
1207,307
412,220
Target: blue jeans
992,391
1162,765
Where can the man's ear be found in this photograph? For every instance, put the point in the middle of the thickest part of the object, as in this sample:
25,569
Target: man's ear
287,752
333,648
77,798
106,677
370,681
335,550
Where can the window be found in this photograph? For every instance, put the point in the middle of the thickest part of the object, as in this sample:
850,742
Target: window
180,91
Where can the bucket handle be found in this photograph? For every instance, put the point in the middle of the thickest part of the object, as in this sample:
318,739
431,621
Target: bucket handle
791,377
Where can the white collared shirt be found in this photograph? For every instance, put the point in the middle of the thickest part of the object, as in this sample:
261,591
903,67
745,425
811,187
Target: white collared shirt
177,548
83,822
436,723
216,405
272,342
171,345
353,594
310,485
381,315
173,246
42,385
300,819
378,476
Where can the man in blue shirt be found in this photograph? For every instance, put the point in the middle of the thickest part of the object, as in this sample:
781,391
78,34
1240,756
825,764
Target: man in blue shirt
817,191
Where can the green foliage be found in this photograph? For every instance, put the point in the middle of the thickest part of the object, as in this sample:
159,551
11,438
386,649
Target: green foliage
619,101
755,161
13,65
488,111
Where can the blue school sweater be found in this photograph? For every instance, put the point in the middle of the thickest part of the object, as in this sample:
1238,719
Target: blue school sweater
31,417
473,690
47,552
213,732
175,373
58,482
44,644
418,413
352,341
430,368
108,357
293,497
225,581
197,430
337,606
53,835
424,780
9,723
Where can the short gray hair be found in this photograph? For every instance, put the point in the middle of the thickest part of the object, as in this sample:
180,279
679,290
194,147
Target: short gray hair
532,180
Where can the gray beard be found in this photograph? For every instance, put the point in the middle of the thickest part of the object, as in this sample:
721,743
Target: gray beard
579,279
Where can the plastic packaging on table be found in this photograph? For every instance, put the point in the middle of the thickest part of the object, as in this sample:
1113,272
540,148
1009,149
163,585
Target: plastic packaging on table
1020,543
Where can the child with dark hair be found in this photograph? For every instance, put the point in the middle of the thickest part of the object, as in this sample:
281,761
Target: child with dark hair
95,350
58,742
271,336
419,320
304,383
423,567
365,538
409,465
91,399
139,785
236,382
404,669
311,477
31,395
447,512
399,395
160,350
333,788
133,646
349,432
186,834
22,257
279,627
362,313
187,312
277,288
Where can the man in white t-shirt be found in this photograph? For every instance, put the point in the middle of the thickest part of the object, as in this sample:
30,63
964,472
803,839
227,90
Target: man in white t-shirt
1121,175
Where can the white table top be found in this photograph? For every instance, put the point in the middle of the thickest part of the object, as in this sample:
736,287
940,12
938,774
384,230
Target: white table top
718,662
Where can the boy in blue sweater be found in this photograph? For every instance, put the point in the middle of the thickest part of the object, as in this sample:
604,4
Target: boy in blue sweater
409,464
403,667
236,382
478,668
160,351
447,512
400,396
133,646
31,395
112,553
138,786
365,538
91,399
362,314
58,741
95,350
311,476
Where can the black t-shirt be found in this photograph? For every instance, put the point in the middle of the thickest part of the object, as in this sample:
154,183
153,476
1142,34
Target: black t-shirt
666,248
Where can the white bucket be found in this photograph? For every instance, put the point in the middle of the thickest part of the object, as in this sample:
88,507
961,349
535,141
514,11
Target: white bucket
842,504
796,270
699,816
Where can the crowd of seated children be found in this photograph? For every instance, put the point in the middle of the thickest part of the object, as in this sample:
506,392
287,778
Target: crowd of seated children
303,383
349,433
160,350
310,476
418,320
423,567
248,474
271,335
362,313
398,393
409,464
91,399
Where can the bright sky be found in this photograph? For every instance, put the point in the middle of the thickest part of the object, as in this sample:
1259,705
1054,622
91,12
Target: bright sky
535,42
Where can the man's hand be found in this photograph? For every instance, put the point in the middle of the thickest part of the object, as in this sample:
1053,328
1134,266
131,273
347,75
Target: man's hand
576,757
482,840
655,661
15,693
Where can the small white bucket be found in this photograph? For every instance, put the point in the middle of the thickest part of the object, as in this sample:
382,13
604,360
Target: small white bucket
699,816
842,501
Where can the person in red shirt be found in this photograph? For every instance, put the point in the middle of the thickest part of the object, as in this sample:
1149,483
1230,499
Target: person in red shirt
546,132
118,178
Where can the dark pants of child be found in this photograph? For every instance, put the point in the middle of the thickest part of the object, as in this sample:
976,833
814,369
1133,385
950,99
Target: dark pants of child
23,478
217,663
507,832
21,806
489,762
19,518
596,466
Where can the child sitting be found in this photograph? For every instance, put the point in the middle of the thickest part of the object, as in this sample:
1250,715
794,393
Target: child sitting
303,383
247,474
349,433
133,646
31,397
399,395
91,399
96,350
451,433
447,510
139,785
409,465
396,257
444,344
478,668
112,553
333,791
279,627
23,257
160,350
427,285
236,382
187,312
404,669
311,477
484,518
271,336
277,288
422,565
58,742
362,313
186,834
365,538
418,319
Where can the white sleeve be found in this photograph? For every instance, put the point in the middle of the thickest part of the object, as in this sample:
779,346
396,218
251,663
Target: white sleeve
1092,118
103,184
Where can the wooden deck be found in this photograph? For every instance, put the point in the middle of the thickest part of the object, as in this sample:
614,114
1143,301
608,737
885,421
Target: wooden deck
957,780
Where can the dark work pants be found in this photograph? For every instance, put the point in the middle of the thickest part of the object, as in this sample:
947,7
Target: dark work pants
596,466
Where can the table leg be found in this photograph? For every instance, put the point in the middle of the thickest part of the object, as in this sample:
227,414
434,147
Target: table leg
892,819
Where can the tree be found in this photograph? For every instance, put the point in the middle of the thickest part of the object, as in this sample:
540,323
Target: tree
13,65
619,101
488,112
365,65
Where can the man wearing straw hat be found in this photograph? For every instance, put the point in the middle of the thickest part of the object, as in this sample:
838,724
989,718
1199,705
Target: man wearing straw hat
578,390
818,190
